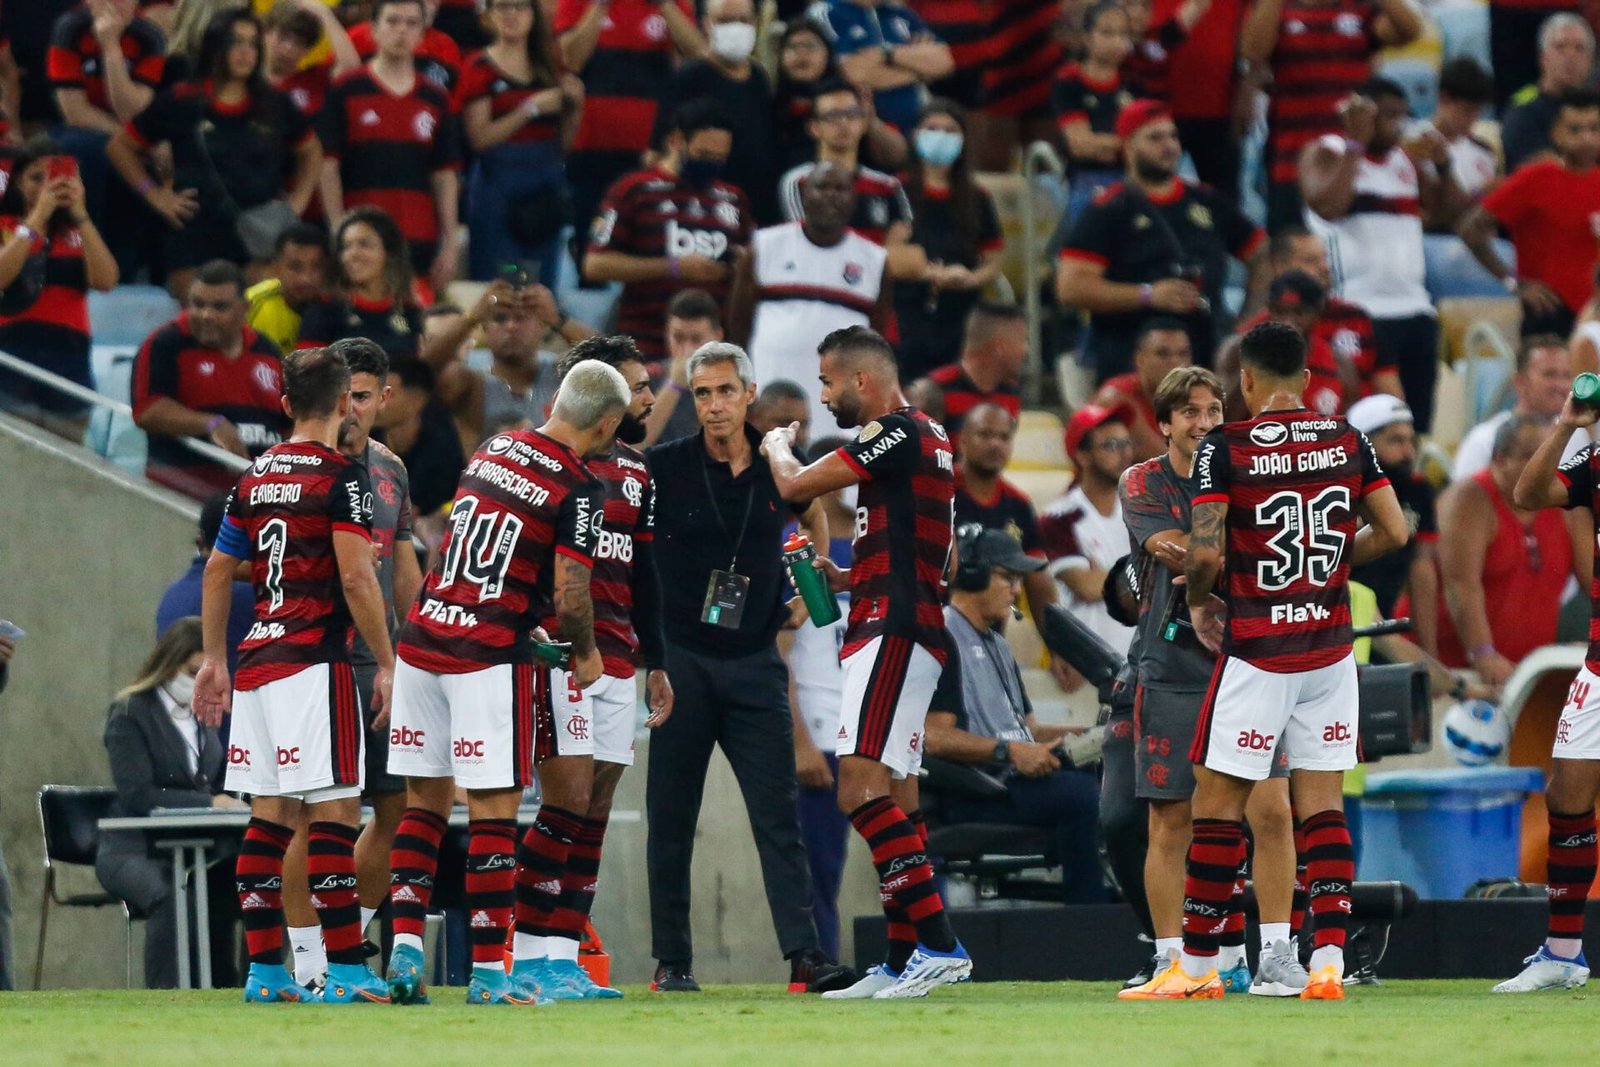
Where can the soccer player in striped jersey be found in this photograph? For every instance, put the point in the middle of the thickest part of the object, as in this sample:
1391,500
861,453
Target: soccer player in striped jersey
592,740
1273,529
895,644
302,517
471,707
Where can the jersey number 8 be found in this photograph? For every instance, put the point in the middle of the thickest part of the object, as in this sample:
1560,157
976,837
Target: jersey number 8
1306,545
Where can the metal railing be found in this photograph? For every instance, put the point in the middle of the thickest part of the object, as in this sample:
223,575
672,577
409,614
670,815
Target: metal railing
1039,158
204,449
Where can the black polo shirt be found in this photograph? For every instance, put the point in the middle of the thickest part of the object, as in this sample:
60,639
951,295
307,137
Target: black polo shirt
690,543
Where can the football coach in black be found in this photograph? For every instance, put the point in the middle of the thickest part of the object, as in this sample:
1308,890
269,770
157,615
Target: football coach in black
718,547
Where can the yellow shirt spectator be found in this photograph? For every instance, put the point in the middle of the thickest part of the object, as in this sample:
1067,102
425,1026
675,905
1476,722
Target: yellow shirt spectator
271,315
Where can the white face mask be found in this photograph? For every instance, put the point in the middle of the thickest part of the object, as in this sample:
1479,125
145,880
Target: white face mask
181,688
733,41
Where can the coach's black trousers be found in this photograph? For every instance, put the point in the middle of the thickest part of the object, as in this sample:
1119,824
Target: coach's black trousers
741,704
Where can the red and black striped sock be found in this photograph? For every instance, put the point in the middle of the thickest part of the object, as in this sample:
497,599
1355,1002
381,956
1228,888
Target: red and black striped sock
491,886
331,867
1331,867
1232,936
540,863
258,877
580,879
1215,853
1570,872
413,862
905,877
1302,885
902,935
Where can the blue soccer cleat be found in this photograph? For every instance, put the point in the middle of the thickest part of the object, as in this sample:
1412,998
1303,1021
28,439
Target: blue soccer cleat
533,977
1236,979
271,983
493,986
354,983
927,970
406,965
569,981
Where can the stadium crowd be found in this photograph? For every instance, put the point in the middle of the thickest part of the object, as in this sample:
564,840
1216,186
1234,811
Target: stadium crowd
462,193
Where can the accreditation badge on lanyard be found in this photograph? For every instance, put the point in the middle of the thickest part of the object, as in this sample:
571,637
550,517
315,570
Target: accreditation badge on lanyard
727,590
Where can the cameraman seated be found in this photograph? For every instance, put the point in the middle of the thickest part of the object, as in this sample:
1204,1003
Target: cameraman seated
981,715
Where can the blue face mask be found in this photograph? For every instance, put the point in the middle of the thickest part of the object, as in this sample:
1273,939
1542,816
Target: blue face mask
939,148
700,172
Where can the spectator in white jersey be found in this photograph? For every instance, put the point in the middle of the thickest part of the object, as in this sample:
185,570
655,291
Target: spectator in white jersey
1465,89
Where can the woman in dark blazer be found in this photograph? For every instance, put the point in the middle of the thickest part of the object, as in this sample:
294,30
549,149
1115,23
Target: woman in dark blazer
162,757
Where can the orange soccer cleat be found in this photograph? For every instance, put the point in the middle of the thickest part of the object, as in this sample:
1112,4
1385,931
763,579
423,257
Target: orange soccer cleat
1174,983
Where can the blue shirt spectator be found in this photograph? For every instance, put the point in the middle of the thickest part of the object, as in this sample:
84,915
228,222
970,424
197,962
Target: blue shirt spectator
888,48
182,597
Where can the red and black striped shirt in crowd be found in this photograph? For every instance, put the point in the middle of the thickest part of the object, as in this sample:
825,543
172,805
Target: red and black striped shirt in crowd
74,60
60,315
307,89
651,213
1149,65
881,200
1292,481
961,395
630,521
246,390
1324,53
438,58
282,517
1324,392
1348,330
482,79
523,499
624,77
1011,43
907,493
389,146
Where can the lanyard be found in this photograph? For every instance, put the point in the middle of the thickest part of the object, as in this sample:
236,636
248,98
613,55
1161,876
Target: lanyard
995,645
744,524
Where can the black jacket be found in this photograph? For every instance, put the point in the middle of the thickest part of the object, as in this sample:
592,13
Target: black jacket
149,760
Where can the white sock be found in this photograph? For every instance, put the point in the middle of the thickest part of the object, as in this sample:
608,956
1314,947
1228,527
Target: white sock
1565,947
562,948
529,946
1197,966
484,970
1328,955
1229,957
409,941
1272,933
366,917
310,960
1169,946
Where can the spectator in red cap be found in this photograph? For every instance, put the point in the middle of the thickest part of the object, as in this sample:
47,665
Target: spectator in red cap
1083,531
1154,244
1296,298
1162,345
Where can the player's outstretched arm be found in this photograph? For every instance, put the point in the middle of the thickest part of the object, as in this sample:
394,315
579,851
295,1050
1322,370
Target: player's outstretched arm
803,483
575,613
1539,486
353,553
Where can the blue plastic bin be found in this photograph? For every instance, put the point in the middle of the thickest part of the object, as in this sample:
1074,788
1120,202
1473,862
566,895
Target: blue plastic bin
1439,831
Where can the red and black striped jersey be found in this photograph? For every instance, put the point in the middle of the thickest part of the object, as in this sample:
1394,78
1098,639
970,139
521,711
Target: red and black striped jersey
651,213
282,517
389,147
481,79
1324,391
630,511
625,75
438,57
1292,481
905,514
1348,330
64,300
1324,53
1010,43
1583,491
523,499
1149,65
74,60
961,395
307,88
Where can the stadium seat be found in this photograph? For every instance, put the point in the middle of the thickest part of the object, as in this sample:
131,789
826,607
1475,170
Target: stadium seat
129,313
1041,486
991,854
1039,444
1008,191
1457,316
1453,271
112,367
69,817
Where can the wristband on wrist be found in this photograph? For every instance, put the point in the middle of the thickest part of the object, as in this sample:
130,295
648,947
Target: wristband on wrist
1147,295
24,230
674,268
1353,145
1479,651
212,423
146,184
1510,282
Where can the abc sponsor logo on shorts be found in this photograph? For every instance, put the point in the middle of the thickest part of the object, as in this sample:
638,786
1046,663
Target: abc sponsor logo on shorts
1337,734
1252,741
289,757
467,750
406,737
238,757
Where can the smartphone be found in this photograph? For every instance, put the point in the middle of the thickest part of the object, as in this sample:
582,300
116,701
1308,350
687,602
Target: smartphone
61,167
516,275
11,630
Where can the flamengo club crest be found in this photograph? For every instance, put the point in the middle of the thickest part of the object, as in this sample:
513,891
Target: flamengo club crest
853,273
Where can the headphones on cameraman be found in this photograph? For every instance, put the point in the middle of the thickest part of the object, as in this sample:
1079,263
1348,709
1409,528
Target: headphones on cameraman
971,575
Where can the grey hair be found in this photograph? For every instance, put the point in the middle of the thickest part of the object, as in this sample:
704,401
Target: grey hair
1505,435
713,353
590,392
1562,20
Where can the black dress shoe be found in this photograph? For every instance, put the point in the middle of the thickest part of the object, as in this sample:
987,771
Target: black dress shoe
674,978
812,971
1157,964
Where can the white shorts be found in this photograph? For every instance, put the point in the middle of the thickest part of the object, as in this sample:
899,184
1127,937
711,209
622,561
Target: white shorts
1578,731
598,721
478,727
888,685
1249,711
298,736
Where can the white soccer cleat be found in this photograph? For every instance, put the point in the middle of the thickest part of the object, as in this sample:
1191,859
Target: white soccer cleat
926,970
876,979
1547,971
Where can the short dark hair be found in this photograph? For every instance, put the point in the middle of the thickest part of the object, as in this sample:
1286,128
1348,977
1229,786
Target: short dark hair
413,373
313,381
857,339
1099,10
1275,349
986,319
301,235
363,356
829,85
1157,324
701,113
1176,386
612,349
1505,435
294,21
221,272
781,389
1463,78
1379,86
211,515
1575,100
693,305
379,5
1532,343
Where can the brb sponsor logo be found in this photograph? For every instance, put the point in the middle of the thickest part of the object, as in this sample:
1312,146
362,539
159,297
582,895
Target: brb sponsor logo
406,737
1337,734
468,750
682,241
615,545
238,757
1252,741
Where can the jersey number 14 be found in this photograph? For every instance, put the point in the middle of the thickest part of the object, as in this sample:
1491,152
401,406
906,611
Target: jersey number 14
481,547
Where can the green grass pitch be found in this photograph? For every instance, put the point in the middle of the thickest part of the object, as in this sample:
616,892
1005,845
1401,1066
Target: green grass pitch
974,1025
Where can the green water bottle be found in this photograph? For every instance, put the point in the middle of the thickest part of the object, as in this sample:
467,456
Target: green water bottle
810,583
557,654
1586,389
